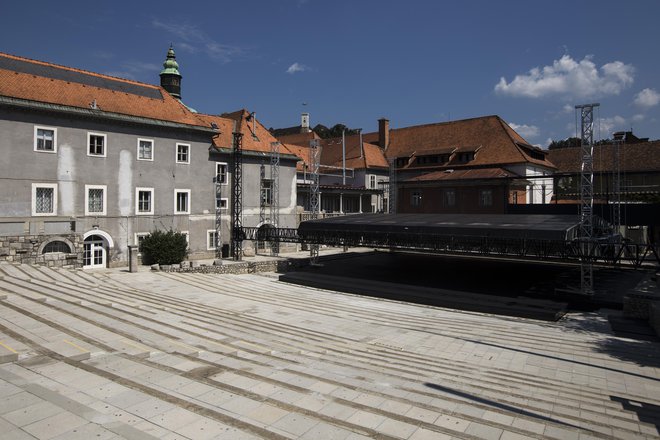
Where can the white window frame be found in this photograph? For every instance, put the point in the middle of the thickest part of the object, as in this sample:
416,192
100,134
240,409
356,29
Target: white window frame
188,201
105,144
176,151
370,184
222,199
137,240
226,182
210,246
187,234
137,201
44,127
53,186
153,149
105,200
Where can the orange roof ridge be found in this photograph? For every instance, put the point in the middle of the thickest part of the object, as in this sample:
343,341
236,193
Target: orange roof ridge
455,121
74,69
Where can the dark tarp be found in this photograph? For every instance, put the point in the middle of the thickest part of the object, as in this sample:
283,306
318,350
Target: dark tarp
537,227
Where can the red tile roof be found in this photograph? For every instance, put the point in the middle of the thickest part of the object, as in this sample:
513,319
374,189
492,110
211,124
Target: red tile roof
464,174
33,87
298,138
499,144
370,156
642,157
237,121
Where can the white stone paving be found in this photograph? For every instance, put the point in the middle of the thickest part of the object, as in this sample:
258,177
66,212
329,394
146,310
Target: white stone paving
114,355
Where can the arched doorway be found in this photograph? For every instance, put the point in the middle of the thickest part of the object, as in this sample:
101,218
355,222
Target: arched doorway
94,252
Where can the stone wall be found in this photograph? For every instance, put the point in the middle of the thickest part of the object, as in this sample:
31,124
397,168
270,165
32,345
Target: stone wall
243,267
27,249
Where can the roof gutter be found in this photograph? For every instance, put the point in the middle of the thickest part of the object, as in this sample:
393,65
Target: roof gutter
100,114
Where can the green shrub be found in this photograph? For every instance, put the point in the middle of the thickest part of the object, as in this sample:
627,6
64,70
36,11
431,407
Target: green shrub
164,248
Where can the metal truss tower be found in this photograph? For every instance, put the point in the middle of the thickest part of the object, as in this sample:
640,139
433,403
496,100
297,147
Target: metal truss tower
314,192
587,197
262,194
237,198
392,188
616,184
275,192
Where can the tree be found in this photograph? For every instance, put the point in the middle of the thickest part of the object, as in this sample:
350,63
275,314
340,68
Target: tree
334,132
164,248
565,143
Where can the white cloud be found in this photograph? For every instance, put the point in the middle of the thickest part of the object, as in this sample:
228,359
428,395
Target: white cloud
296,67
638,118
610,125
647,98
568,77
195,40
526,131
568,108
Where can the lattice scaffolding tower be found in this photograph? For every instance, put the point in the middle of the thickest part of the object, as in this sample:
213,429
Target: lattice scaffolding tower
314,192
237,198
392,188
587,197
275,193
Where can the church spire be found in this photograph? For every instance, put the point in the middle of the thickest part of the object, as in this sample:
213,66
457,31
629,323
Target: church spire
170,78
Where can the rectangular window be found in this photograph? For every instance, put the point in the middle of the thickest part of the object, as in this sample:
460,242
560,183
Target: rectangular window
266,191
450,197
187,234
44,199
221,173
372,182
486,197
139,238
221,203
96,144
95,200
182,201
144,201
416,198
145,149
182,153
45,139
211,239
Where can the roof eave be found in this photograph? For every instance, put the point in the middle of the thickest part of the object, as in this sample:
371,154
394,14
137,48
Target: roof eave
100,114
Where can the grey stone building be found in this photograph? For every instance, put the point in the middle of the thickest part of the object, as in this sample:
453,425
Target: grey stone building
92,163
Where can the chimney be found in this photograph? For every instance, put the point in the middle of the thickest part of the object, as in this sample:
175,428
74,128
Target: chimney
384,133
304,123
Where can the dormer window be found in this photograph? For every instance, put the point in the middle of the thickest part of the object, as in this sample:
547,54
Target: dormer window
466,156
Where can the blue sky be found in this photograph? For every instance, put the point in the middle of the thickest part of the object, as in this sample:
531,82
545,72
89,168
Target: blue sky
353,62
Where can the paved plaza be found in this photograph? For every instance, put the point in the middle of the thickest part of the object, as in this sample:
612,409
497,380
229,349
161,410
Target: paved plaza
117,355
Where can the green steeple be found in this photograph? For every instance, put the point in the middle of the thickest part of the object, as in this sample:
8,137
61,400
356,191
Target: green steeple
170,65
170,78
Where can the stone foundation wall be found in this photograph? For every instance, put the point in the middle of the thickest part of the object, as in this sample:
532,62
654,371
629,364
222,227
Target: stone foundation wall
26,249
242,267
